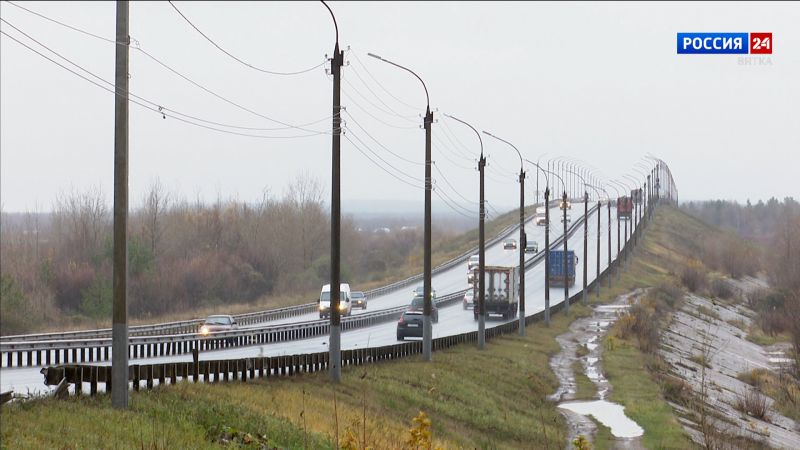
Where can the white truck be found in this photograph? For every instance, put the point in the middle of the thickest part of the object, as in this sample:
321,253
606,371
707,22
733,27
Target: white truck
500,289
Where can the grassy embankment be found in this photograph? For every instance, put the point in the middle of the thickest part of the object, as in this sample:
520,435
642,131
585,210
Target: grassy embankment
474,399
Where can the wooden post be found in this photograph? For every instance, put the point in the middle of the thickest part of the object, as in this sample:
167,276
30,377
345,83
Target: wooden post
149,376
196,363
135,368
93,381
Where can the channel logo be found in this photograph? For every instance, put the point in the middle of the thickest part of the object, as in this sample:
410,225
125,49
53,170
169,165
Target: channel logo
725,43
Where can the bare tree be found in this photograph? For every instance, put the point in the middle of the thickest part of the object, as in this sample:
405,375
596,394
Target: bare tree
306,195
156,203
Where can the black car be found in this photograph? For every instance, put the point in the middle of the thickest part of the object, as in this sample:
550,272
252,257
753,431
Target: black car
418,304
410,324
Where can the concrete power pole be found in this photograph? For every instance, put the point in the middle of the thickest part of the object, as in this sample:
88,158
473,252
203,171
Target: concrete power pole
335,344
427,331
119,330
547,254
523,242
585,244
481,262
566,278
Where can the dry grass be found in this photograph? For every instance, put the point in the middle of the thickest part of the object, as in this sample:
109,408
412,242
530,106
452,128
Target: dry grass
753,403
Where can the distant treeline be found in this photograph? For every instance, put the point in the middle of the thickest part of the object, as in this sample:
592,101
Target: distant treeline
757,222
182,255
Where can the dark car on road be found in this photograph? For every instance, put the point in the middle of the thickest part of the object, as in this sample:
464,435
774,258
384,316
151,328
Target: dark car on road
418,291
510,244
418,304
410,324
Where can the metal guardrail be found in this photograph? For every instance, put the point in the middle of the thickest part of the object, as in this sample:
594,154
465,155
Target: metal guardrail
34,353
193,325
214,371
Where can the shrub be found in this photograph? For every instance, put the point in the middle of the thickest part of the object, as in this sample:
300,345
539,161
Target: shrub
69,282
14,316
693,276
753,403
720,288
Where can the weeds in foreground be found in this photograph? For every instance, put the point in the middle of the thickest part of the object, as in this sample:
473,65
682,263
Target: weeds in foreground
581,443
420,435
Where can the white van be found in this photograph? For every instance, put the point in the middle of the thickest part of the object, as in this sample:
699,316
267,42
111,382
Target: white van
345,305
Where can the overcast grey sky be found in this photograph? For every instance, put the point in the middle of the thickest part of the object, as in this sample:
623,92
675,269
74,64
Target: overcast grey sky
600,82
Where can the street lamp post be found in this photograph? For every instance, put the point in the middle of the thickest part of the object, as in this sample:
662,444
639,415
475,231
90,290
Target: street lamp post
585,234
613,185
599,214
546,242
335,342
537,175
522,239
481,246
427,331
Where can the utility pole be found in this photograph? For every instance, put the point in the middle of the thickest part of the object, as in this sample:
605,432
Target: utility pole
119,330
427,328
522,239
523,242
335,343
547,252
599,214
585,242
427,332
481,262
566,278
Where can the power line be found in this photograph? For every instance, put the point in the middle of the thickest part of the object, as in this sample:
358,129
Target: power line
186,78
157,109
388,113
447,132
271,72
373,116
451,206
347,136
404,117
418,180
453,187
439,146
410,161
154,104
381,85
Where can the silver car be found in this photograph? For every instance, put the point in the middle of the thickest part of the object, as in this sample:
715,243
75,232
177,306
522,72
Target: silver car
216,323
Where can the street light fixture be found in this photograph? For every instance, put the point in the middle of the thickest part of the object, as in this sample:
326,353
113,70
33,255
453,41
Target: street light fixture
427,330
522,239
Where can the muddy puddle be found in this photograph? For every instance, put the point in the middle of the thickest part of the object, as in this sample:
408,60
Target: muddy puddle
584,338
